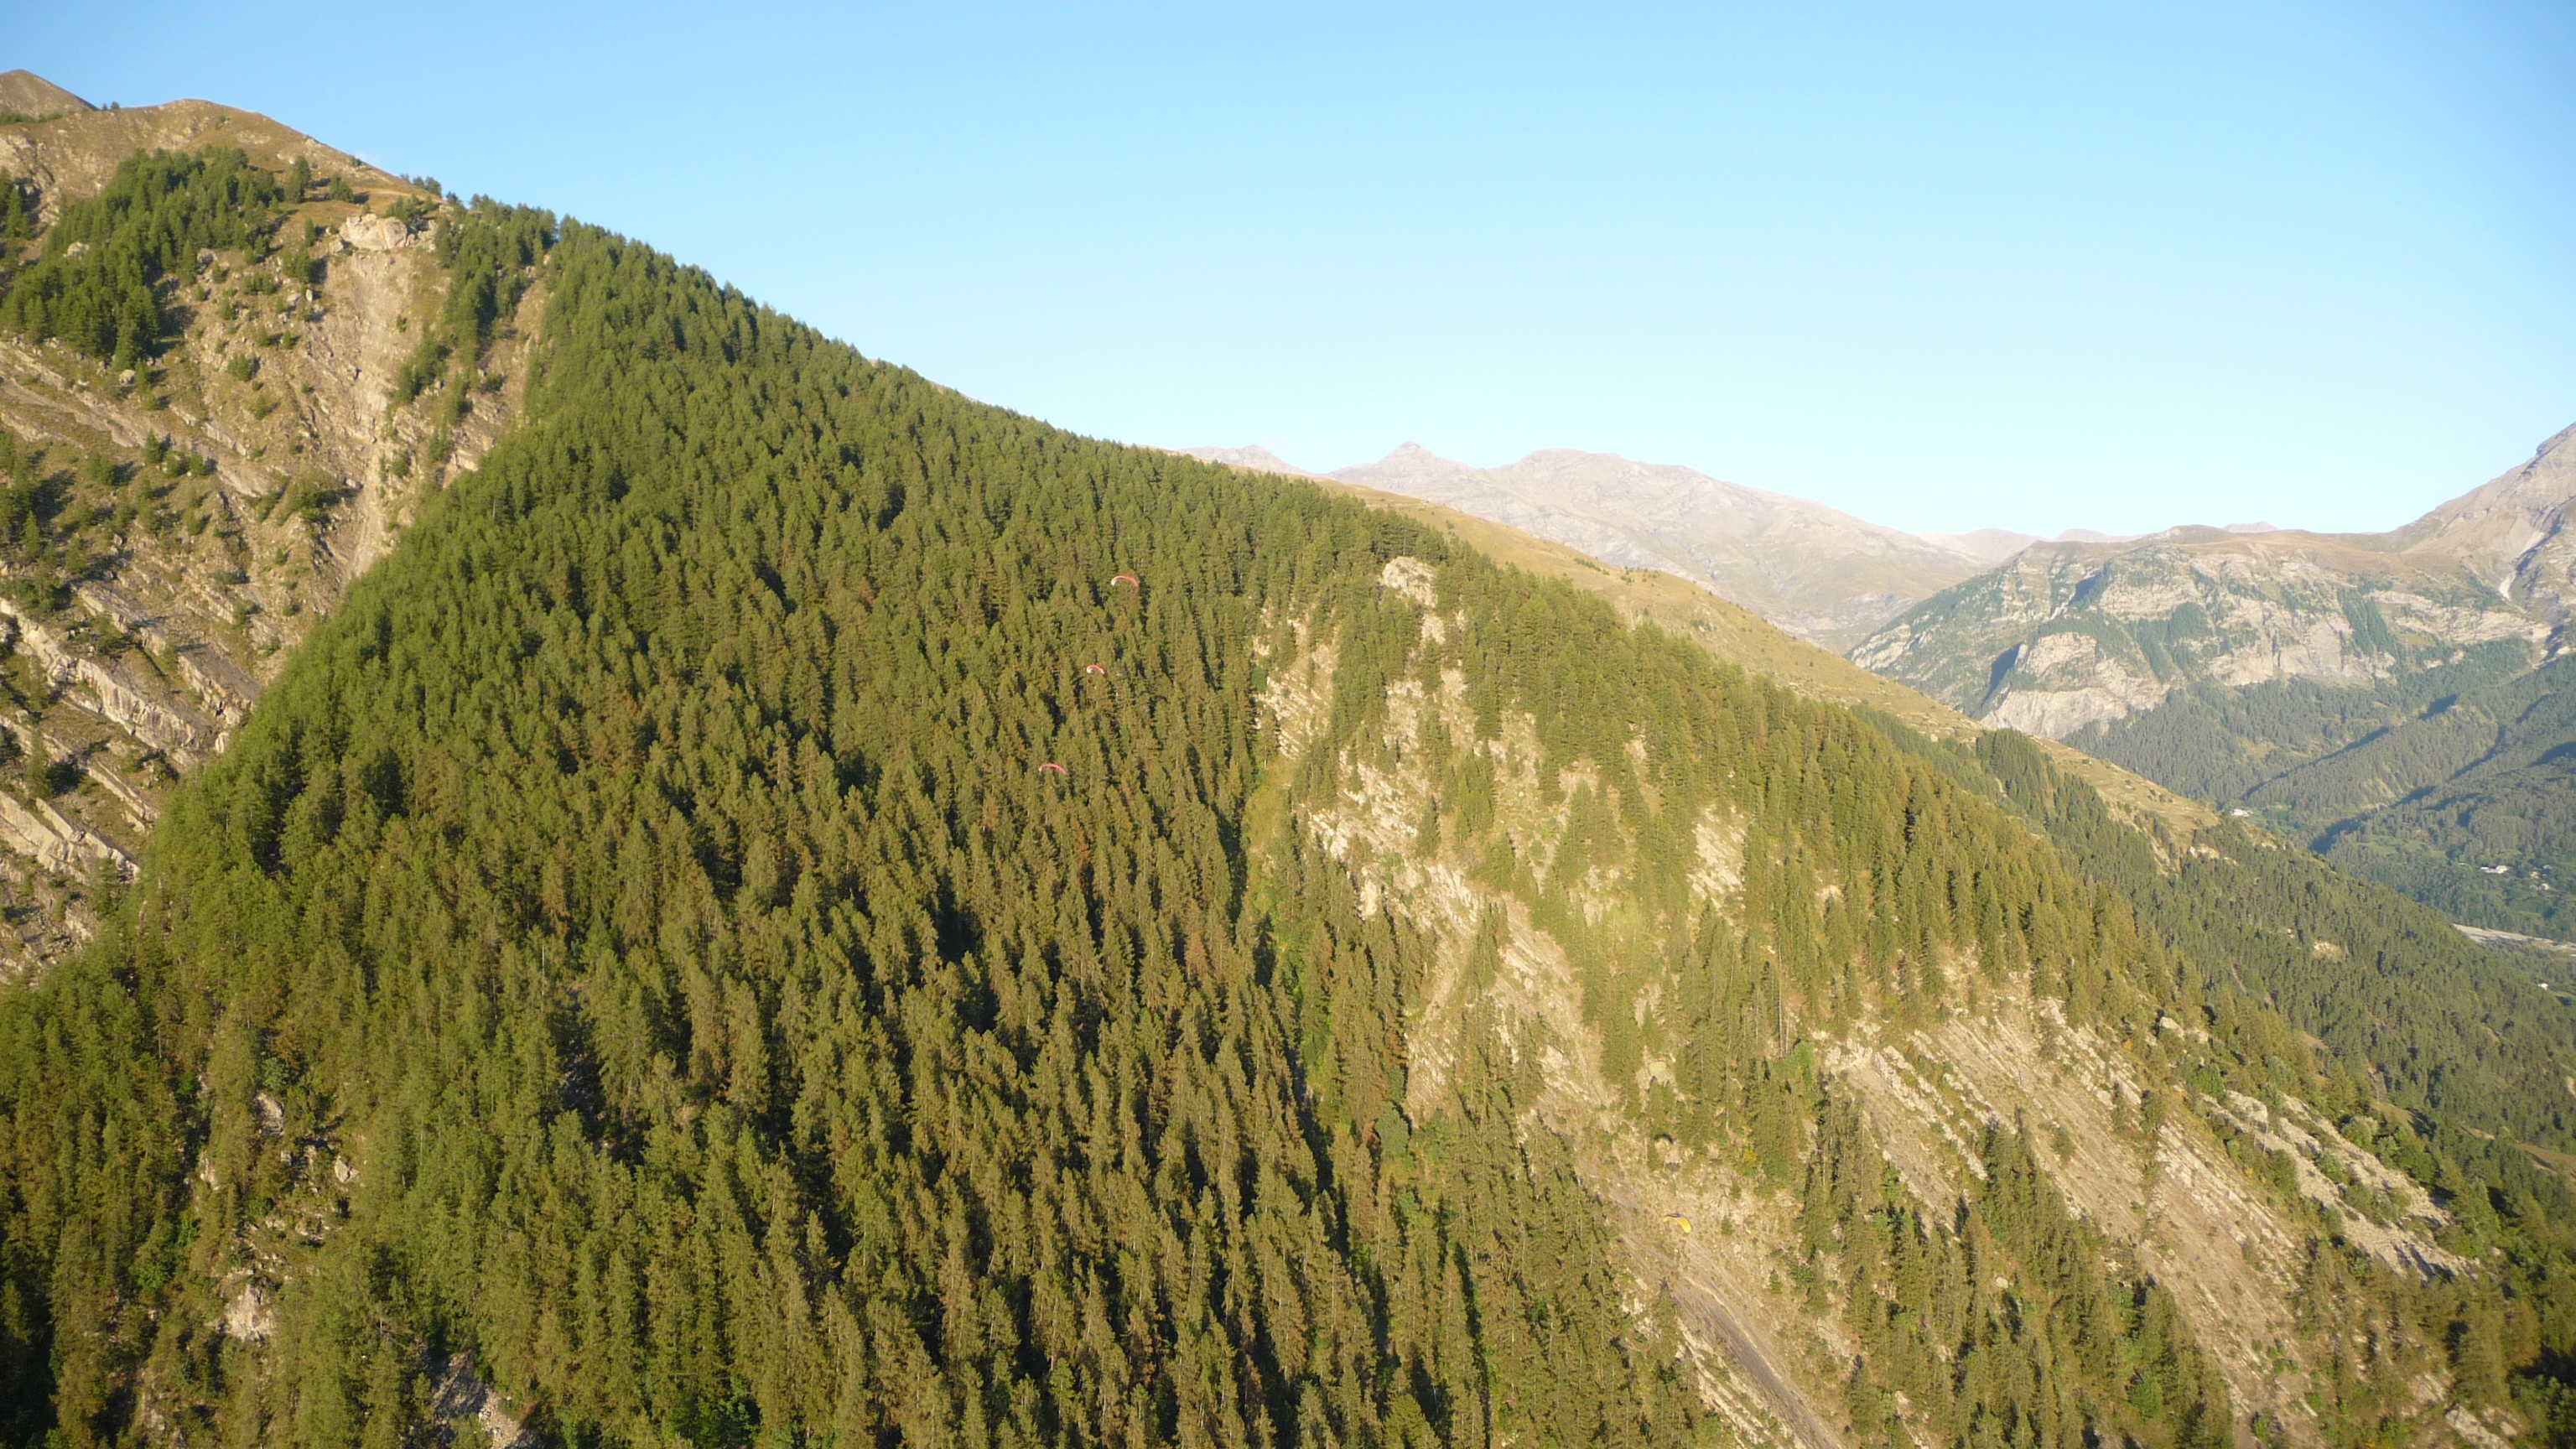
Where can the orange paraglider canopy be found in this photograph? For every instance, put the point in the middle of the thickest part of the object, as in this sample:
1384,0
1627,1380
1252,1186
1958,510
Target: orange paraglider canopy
1128,579
1095,669
1059,769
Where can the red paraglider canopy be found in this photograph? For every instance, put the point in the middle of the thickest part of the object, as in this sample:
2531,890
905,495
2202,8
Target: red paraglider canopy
1059,769
1095,669
1128,579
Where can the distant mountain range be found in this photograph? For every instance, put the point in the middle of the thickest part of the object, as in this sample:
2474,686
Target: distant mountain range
1816,571
1812,569
2398,699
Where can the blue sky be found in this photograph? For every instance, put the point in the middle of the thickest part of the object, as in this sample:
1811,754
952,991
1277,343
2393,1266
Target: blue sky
2063,265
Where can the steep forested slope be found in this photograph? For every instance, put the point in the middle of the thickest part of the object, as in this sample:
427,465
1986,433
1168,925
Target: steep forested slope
2449,783
793,907
2409,1010
638,947
2471,806
1690,948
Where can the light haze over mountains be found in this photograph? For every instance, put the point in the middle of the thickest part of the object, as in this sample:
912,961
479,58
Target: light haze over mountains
1820,573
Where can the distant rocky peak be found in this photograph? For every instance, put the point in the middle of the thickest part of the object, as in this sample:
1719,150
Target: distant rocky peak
1253,457
2503,524
1412,454
1407,460
1577,457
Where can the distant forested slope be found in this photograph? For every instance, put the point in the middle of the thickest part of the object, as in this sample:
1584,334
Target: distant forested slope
2453,784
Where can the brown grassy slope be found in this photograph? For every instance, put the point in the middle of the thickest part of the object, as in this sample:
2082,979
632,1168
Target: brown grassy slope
25,93
72,156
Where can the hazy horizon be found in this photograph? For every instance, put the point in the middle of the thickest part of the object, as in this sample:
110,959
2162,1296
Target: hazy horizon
1488,465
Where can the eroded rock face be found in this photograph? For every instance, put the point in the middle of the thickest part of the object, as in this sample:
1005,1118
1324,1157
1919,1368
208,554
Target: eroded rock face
462,1396
2068,635
263,462
381,234
2102,687
249,1316
37,831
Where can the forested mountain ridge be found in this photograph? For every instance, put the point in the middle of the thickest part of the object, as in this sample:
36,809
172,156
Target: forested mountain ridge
1926,1056
794,907
197,453
2390,698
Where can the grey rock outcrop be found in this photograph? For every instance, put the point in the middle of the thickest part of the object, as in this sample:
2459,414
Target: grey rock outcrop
2065,635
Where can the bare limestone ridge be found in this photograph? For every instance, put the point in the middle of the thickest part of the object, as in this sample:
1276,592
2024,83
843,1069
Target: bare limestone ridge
2512,532
2047,641
2037,644
260,464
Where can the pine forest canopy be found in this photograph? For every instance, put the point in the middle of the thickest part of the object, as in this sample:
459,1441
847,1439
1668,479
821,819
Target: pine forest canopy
775,915
93,285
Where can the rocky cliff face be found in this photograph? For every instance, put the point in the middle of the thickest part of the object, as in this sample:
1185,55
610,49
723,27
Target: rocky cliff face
2063,636
2069,635
208,506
